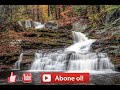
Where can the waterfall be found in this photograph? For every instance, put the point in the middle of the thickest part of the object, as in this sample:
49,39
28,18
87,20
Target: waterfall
28,24
38,25
17,63
90,61
79,37
20,23
49,61
75,57
81,43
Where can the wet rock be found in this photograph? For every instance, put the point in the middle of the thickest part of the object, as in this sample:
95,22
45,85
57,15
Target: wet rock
112,16
108,41
4,67
30,35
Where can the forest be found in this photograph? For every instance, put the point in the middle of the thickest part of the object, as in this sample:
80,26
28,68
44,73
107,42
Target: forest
99,22
61,13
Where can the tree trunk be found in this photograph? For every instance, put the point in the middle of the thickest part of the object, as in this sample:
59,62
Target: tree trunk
33,13
49,10
38,13
26,8
56,16
98,8
59,13
64,7
93,11
11,13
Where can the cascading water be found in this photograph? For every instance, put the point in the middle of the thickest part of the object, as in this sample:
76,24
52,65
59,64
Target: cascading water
90,61
28,24
17,63
75,57
79,37
81,43
49,61
38,25
20,23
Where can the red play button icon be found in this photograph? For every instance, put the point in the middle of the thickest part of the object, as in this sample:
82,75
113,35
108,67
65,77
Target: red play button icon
46,78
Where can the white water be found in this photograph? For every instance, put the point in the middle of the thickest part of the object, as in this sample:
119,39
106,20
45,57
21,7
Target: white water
81,43
20,23
38,25
81,59
28,24
17,63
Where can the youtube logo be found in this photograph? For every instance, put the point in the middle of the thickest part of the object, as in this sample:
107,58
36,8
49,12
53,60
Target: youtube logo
64,78
27,77
46,78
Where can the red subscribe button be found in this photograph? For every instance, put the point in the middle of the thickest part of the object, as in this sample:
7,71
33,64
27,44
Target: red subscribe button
64,78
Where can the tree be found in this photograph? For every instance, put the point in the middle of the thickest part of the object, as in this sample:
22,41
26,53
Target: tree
49,10
38,13
33,13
